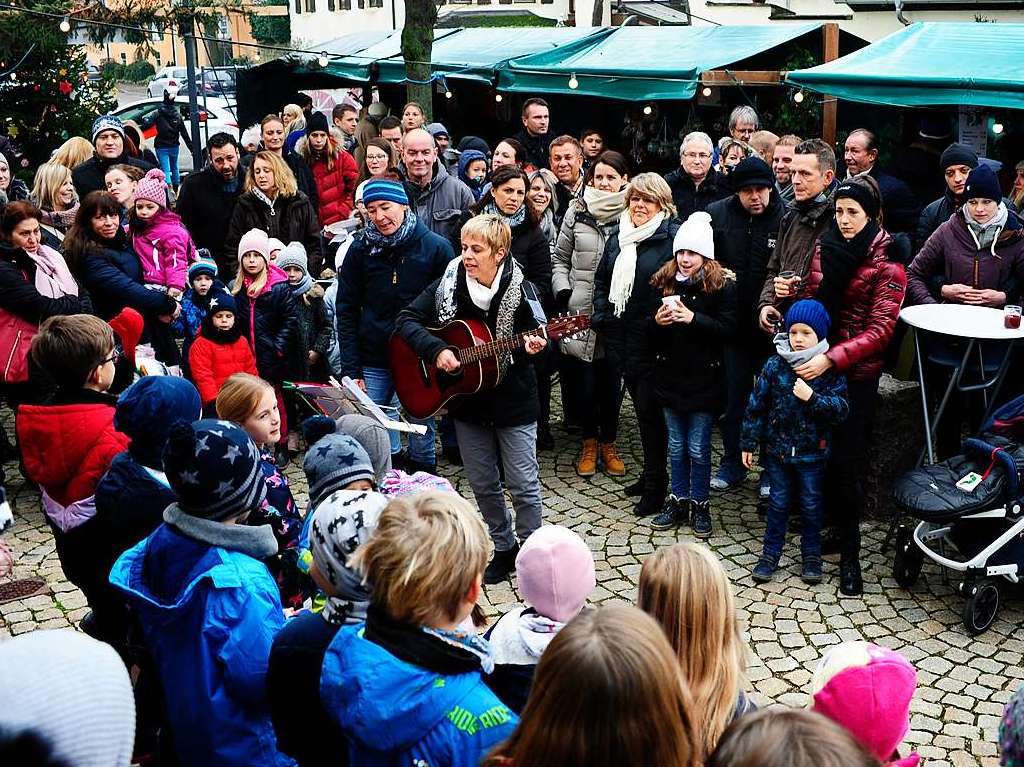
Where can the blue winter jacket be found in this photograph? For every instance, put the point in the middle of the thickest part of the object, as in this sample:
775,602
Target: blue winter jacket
396,714
209,616
793,431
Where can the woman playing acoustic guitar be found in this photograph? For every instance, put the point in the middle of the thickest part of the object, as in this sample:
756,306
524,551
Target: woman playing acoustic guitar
488,286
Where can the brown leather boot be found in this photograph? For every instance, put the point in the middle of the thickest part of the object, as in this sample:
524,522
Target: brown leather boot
613,465
586,466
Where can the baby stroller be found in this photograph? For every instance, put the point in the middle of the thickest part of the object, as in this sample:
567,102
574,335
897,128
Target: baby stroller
971,512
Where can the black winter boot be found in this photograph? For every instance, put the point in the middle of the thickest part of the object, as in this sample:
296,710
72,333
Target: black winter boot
701,511
502,564
675,512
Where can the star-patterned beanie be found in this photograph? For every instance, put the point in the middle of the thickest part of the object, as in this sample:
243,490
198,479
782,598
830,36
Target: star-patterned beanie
214,467
334,462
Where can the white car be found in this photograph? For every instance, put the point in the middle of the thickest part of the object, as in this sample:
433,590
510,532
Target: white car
215,115
168,78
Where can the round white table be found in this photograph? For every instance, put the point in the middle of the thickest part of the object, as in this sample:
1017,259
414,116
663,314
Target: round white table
974,324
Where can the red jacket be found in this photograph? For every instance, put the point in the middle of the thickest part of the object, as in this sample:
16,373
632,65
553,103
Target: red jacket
212,364
871,307
68,448
337,188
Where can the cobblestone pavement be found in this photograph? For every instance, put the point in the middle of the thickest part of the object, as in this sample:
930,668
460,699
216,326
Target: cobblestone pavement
963,682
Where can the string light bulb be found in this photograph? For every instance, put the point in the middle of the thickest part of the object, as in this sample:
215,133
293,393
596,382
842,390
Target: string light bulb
65,25
997,128
706,91
798,97
573,82
447,93
498,97
323,61
648,109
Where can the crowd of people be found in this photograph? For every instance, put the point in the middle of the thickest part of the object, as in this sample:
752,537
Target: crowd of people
151,326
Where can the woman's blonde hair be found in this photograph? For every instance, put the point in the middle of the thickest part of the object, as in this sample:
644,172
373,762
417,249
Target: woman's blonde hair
1018,197
427,553
653,187
492,230
283,176
73,152
239,397
715,277
607,692
50,177
686,590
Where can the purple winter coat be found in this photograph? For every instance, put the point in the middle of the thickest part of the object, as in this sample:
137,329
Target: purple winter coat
951,256
164,248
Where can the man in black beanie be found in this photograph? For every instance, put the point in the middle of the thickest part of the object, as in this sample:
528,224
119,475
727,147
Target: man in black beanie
745,226
957,161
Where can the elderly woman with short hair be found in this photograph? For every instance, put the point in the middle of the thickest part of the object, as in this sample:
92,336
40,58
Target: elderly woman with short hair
624,305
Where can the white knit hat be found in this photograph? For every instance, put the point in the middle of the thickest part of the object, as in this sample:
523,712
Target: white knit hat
696,235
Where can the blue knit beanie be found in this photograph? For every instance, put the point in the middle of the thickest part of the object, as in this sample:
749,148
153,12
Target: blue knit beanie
107,122
333,462
384,189
148,409
222,301
209,268
982,184
214,467
811,313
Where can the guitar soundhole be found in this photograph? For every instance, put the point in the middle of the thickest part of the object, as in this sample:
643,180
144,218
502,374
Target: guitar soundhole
447,381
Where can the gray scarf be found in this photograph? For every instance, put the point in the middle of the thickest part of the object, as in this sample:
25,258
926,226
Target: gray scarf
447,304
985,234
516,219
796,359
258,542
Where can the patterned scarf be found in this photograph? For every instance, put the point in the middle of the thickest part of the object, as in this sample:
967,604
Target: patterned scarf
378,242
61,219
447,304
259,195
516,219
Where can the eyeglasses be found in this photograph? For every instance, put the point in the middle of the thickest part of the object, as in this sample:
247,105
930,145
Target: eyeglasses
113,358
696,155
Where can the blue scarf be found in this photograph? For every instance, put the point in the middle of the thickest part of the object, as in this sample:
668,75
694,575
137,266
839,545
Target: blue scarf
378,242
513,221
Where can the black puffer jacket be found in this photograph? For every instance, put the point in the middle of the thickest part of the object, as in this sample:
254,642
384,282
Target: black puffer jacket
112,274
743,244
275,318
628,338
89,176
514,401
688,373
690,198
292,219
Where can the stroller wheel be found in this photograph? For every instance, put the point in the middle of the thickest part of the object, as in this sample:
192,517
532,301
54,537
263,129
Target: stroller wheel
982,605
906,564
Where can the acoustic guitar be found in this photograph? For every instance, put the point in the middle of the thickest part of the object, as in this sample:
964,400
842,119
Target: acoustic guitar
423,389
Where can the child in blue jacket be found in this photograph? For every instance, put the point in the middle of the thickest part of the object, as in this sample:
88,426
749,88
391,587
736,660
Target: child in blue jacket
794,419
209,608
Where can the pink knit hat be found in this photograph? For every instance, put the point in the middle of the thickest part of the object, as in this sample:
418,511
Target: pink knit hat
867,689
153,187
255,240
556,572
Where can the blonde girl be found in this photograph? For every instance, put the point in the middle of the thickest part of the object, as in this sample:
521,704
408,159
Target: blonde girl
55,194
685,589
412,117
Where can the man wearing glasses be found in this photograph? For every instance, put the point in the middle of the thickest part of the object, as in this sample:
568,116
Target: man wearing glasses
695,184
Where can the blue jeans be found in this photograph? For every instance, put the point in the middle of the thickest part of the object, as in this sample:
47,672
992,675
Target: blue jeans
380,389
807,481
168,157
689,453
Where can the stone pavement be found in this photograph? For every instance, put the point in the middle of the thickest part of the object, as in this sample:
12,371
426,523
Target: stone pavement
963,682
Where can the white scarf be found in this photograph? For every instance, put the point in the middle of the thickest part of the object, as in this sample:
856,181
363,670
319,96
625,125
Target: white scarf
624,271
480,293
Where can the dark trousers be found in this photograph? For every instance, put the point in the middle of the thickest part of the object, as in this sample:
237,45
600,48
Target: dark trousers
597,391
801,482
741,366
844,496
653,433
544,367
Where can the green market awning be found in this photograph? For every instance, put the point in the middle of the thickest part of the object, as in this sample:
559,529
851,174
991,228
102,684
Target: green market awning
468,54
644,63
929,64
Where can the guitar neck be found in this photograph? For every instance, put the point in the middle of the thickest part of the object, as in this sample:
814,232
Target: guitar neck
500,346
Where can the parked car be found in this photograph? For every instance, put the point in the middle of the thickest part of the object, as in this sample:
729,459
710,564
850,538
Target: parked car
215,115
218,81
168,78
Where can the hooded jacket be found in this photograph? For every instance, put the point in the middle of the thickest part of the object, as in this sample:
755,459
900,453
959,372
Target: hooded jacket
209,615
169,126
440,203
395,713
313,334
864,325
165,250
90,175
269,322
213,361
952,256
336,188
627,338
373,289
690,198
465,158
292,219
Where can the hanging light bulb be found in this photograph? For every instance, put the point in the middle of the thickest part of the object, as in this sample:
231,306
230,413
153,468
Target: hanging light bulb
323,61
648,109
65,25
706,92
997,128
447,93
573,82
498,97
798,97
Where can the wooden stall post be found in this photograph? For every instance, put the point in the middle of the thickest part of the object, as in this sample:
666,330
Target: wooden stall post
830,35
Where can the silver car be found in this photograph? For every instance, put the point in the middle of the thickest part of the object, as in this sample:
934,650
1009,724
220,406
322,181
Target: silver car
172,79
